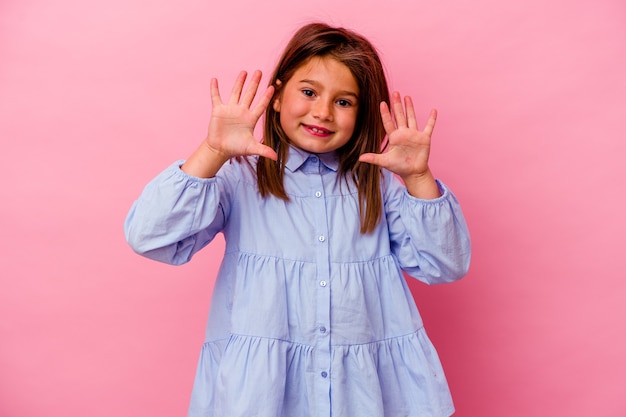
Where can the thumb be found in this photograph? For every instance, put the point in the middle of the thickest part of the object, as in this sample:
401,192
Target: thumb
371,158
262,150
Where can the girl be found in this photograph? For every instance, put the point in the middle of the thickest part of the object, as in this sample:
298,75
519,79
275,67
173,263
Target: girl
311,314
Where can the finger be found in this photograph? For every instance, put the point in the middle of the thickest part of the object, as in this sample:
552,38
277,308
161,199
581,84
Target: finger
385,115
410,113
430,124
216,100
259,149
235,93
372,158
264,101
398,110
248,97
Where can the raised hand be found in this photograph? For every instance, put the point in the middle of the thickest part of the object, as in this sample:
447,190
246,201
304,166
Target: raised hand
232,123
231,128
408,147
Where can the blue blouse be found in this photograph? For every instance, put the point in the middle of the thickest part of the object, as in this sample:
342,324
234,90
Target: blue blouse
309,317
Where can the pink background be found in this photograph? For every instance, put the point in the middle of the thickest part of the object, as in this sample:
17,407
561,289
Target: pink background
96,97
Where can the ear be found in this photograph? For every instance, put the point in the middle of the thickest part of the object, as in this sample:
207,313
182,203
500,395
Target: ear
276,102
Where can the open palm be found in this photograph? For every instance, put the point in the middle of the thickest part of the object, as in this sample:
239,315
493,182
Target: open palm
231,129
408,147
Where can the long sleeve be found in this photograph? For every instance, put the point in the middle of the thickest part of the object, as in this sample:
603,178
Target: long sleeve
176,215
430,238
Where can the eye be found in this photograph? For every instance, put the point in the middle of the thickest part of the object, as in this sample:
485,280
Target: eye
308,93
344,103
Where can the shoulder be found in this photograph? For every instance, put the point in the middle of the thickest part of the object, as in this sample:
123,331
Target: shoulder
390,184
238,170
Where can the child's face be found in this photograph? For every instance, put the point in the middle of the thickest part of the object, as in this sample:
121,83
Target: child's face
318,105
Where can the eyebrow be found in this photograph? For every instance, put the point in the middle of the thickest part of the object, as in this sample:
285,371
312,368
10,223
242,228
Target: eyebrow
341,93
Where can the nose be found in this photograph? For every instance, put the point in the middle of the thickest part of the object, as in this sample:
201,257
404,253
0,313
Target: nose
323,109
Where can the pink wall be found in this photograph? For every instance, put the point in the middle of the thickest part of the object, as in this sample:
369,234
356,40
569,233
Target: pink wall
96,97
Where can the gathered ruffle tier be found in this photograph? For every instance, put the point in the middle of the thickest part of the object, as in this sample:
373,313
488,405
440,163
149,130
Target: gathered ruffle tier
370,379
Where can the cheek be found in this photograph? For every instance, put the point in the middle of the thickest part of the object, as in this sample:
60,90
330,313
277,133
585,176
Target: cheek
294,109
348,122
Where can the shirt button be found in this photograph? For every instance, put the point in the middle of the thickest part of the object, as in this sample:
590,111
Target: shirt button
322,329
324,374
318,194
321,238
313,159
323,283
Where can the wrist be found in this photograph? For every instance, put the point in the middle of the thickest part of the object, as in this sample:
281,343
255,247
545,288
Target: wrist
423,186
205,162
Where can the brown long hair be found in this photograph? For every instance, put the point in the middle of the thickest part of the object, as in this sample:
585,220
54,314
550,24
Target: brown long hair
361,58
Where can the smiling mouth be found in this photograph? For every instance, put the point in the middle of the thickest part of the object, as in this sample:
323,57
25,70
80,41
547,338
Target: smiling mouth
318,131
